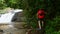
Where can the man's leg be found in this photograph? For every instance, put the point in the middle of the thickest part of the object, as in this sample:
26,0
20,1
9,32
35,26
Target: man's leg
39,23
42,23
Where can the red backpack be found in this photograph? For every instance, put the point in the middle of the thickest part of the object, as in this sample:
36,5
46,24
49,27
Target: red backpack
41,14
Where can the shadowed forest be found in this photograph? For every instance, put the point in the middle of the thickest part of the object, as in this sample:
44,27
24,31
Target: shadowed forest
30,9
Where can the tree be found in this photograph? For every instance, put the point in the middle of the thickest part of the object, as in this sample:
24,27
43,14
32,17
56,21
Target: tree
2,4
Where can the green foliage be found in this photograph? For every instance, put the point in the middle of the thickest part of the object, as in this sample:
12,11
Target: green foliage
2,4
30,7
53,26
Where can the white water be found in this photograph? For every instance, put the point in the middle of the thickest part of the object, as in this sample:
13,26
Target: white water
7,17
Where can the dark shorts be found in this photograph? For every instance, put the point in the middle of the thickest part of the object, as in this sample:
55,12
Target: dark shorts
41,19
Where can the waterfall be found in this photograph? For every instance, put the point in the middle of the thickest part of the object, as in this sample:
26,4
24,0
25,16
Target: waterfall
6,18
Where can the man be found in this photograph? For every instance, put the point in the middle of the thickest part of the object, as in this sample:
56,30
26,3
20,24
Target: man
41,15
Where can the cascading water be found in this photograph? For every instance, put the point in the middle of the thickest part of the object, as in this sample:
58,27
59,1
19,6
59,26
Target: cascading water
7,17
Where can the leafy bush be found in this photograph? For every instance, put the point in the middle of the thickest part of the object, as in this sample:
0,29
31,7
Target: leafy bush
53,26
